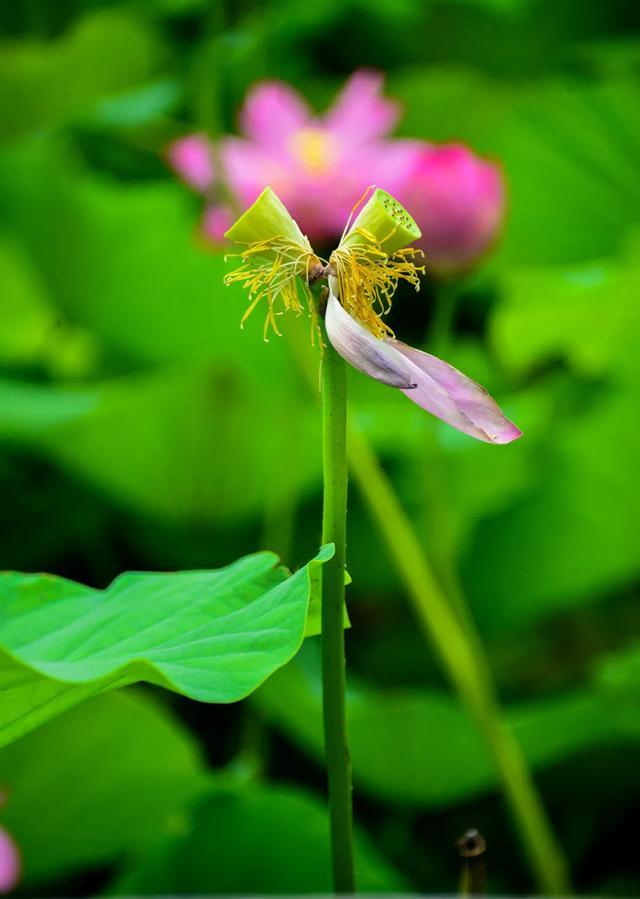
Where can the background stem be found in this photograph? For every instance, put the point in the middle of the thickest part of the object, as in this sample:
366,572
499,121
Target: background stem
438,518
453,634
445,300
463,656
334,521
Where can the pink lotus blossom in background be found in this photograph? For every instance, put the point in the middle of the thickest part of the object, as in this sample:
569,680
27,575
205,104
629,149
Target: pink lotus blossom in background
9,863
458,200
191,158
319,166
216,220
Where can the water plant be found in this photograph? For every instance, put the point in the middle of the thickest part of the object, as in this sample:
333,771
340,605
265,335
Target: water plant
278,265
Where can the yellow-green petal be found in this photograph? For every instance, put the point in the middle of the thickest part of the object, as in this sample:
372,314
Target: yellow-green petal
265,219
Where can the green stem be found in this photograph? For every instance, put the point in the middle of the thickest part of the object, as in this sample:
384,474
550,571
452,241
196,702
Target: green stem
445,295
463,656
334,525
458,646
526,807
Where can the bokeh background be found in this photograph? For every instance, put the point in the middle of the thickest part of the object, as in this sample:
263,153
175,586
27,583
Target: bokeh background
142,429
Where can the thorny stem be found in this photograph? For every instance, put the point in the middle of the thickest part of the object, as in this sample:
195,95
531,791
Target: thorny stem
334,522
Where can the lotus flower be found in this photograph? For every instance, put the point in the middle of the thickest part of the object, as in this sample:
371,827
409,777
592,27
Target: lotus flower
458,200
317,165
363,273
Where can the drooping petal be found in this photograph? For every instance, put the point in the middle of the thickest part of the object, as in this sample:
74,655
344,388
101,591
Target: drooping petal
9,863
272,112
453,397
430,382
369,354
359,114
190,157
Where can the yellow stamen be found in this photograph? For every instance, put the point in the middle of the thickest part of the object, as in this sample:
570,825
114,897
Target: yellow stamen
275,270
367,279
355,209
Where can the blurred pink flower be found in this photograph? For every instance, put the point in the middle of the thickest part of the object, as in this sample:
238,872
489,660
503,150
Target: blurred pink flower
191,158
458,201
318,165
216,220
9,863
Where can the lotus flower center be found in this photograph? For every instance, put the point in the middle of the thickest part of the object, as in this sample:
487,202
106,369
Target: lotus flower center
313,149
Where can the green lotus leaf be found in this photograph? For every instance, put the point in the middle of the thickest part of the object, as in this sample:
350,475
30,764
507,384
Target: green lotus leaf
213,636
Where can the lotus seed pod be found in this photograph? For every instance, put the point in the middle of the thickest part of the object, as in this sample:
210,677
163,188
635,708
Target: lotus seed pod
384,219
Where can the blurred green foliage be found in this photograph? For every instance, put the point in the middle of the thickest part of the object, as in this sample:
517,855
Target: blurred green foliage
130,789
141,429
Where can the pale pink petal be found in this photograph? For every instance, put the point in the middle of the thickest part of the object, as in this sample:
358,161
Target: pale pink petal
431,383
365,352
9,863
190,157
215,221
359,113
448,394
272,112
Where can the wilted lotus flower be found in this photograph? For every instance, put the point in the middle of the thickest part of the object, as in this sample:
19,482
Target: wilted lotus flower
316,164
459,201
363,272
